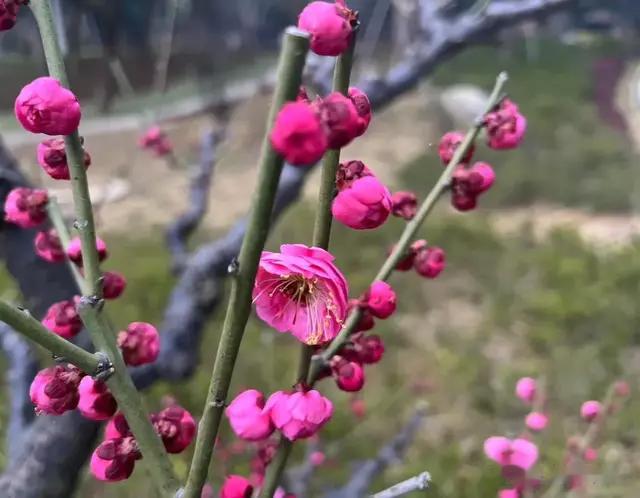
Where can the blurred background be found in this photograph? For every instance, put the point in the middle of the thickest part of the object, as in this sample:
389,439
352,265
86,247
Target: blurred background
542,279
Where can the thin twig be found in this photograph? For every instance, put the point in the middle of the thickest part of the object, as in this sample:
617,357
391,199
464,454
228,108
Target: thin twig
294,51
416,483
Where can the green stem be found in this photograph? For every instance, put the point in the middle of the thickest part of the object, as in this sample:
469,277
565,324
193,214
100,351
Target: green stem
22,322
411,229
102,334
57,220
292,59
321,238
129,400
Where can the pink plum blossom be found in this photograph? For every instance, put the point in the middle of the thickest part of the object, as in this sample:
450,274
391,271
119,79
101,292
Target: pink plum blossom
48,246
298,134
519,453
248,418
526,389
96,402
300,290
52,157
54,390
62,319
114,459
299,415
590,410
506,126
26,207
536,421
329,25
364,205
140,343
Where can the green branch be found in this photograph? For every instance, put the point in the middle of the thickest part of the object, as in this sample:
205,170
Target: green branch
292,59
22,322
102,334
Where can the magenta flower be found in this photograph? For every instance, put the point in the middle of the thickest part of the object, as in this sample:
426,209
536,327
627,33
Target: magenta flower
363,107
590,410
236,487
380,299
45,106
506,127
366,321
113,284
509,493
590,454
140,344
449,142
114,459
176,427
74,250
298,134
299,415
248,418
48,246
96,402
117,427
365,349
430,262
518,453
8,14
54,390
62,319
536,421
26,207
329,25
526,389
156,140
340,119
364,204
52,157
468,184
300,290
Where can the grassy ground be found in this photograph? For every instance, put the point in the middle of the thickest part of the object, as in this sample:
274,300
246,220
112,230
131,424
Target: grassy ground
505,307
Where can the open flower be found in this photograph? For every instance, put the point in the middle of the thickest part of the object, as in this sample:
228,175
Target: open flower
519,453
506,127
300,290
247,416
300,414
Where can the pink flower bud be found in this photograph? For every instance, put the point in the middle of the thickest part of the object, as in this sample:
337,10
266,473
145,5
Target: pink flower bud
155,140
300,414
369,349
45,106
113,285
590,410
26,207
117,427
113,460
140,344
358,407
404,205
349,375
363,108
622,389
526,389
52,157
366,321
248,418
364,205
207,491
48,246
236,487
508,493
349,172
176,427
8,14
96,402
406,262
339,117
380,299
506,127
329,25
449,142
298,134
518,453
54,390
537,421
430,262
317,458
468,184
590,454
62,319
281,493
74,250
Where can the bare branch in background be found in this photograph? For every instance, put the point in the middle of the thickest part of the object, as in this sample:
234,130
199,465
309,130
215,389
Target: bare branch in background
393,452
22,365
417,483
298,479
178,232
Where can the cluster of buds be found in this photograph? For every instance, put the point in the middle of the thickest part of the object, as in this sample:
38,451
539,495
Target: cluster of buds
304,130
297,415
428,261
156,141
363,201
9,13
114,459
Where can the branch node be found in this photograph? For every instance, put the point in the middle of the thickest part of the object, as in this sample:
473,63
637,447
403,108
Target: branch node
218,403
80,224
94,302
234,266
59,359
105,368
